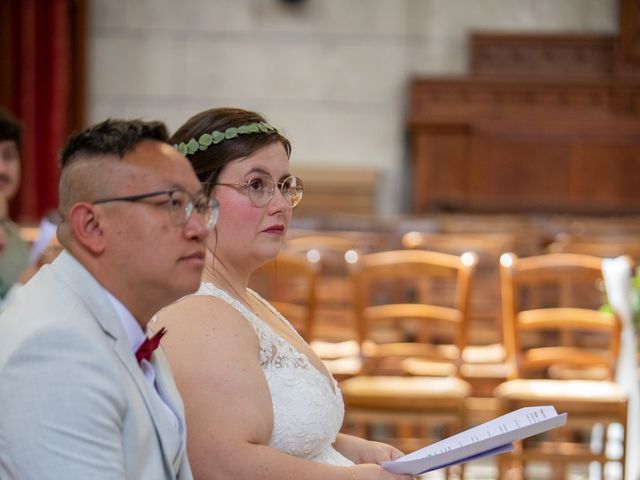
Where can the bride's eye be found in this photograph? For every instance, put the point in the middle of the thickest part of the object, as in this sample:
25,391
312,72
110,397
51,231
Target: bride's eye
256,184
288,185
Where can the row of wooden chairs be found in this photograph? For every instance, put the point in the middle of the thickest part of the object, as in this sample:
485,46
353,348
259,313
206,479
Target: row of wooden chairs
413,382
333,318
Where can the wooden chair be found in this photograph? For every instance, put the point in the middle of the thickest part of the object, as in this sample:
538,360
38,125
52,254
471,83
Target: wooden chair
554,352
484,308
598,245
483,364
334,317
289,283
528,234
334,335
399,321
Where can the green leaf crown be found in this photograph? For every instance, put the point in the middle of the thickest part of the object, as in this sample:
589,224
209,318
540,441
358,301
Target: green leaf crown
215,137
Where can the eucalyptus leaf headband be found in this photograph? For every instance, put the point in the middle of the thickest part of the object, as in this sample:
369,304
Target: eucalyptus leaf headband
215,137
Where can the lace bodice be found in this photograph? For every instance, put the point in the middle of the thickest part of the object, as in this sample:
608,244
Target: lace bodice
307,409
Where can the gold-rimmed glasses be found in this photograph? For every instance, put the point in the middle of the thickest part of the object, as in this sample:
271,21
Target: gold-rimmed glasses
180,205
260,189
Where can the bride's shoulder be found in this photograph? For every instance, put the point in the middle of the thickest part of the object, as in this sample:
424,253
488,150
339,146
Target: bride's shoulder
204,313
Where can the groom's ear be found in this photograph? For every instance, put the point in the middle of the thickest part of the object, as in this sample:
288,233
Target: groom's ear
85,221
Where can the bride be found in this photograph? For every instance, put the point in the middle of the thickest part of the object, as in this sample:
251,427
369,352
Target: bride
259,403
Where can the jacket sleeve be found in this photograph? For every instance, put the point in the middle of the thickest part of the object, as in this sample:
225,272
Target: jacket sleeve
61,410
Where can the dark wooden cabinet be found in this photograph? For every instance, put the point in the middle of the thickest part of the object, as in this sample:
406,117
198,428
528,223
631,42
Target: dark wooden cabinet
546,123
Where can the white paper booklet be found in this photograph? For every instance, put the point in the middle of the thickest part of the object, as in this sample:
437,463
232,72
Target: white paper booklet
490,438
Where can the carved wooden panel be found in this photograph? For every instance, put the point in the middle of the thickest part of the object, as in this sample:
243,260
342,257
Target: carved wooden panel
630,31
525,163
607,173
517,172
440,184
545,122
566,165
472,97
549,55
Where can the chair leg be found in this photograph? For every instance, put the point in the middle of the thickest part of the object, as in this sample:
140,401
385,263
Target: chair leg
404,430
510,467
558,470
360,429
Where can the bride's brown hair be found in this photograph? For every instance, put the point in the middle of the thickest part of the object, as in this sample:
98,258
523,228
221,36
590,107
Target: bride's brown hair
208,163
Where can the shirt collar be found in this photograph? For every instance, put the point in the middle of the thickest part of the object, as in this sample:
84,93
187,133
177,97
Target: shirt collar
132,328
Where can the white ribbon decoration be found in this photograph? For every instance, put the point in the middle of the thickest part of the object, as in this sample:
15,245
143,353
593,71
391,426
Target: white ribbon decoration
617,280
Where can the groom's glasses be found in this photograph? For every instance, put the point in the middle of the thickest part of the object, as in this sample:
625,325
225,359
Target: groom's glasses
179,204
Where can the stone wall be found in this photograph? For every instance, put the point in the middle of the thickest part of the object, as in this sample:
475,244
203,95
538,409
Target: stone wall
332,74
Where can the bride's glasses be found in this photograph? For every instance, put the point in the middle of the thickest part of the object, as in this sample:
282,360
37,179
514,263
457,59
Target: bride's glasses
260,189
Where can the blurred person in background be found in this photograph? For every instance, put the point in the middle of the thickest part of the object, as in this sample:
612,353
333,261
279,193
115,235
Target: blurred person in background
14,258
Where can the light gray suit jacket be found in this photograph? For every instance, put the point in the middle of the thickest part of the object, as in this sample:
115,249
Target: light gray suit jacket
74,403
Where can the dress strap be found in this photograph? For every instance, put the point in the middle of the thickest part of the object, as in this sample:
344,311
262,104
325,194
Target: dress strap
209,289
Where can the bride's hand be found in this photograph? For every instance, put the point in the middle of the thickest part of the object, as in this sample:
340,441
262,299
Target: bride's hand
377,452
360,450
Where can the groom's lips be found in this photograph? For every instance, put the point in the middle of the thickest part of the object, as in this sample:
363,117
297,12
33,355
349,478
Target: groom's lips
195,259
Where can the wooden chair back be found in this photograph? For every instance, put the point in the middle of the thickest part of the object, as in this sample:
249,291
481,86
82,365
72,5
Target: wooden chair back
561,354
554,334
400,320
398,308
330,252
600,246
289,283
484,307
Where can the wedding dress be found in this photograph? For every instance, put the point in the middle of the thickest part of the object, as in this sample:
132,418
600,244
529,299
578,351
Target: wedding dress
307,409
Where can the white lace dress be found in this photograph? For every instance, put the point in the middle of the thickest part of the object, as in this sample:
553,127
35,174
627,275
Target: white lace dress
307,411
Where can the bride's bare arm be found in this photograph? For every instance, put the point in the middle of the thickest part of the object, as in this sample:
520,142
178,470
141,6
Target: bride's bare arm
214,356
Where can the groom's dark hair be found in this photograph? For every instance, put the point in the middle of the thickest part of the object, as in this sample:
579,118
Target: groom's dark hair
111,137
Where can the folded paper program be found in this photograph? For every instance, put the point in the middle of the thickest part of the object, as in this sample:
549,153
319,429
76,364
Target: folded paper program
490,438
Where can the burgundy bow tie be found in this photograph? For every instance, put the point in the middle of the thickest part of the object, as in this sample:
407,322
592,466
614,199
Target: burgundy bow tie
149,345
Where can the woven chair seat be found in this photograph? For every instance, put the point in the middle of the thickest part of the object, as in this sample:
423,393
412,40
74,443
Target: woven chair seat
411,393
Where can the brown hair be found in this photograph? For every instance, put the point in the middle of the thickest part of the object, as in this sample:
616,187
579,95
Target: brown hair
209,163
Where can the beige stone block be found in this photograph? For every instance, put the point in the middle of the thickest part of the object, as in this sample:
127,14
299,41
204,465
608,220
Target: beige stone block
447,18
336,17
172,111
191,16
101,108
353,71
370,138
444,19
575,15
337,136
134,64
438,56
106,14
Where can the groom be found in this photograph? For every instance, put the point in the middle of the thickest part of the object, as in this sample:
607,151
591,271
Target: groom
75,402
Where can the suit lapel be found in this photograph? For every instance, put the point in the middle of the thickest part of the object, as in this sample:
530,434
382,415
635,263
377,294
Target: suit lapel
79,280
169,393
162,424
